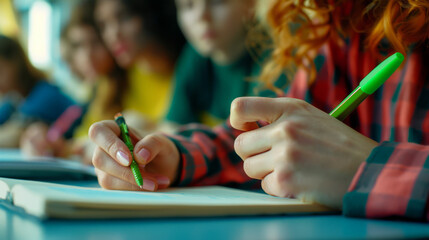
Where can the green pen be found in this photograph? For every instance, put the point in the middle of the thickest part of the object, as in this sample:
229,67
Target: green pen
368,85
120,120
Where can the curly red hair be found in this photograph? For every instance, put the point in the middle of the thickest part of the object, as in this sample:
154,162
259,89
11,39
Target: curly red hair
300,27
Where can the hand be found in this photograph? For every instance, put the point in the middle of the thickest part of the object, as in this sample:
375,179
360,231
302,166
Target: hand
34,142
11,133
303,152
156,155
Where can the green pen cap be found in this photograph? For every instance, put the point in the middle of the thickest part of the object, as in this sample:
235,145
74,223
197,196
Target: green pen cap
381,73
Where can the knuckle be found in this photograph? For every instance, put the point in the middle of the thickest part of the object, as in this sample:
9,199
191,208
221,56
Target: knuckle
299,103
281,184
112,148
288,156
283,193
281,130
265,187
238,144
270,186
94,129
97,158
296,104
283,176
247,167
151,141
287,127
156,139
238,105
125,174
104,181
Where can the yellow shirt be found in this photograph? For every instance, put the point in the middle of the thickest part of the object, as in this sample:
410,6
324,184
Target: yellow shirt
147,94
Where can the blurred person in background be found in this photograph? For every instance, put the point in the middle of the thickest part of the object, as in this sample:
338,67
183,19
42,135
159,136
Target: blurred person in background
216,66
25,94
137,95
88,59
144,38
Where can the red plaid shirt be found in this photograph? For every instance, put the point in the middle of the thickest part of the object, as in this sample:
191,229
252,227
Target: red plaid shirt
394,180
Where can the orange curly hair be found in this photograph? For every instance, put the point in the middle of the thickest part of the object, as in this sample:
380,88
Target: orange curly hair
300,27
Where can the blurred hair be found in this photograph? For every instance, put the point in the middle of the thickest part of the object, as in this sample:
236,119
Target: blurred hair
160,22
300,27
82,15
27,75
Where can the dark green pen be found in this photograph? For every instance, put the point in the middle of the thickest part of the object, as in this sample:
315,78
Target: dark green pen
120,120
368,85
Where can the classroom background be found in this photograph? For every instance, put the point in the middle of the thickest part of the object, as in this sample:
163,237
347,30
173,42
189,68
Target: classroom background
37,24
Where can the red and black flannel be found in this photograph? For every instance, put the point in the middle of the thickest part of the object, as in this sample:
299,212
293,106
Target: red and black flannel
394,180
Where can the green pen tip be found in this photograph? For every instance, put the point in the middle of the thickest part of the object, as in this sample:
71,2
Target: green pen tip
381,73
399,56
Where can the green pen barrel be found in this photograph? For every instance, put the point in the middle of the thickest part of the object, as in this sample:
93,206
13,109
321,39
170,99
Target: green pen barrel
136,172
368,86
349,104
120,121
381,73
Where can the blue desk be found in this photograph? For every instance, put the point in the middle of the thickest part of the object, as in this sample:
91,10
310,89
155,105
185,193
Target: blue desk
15,225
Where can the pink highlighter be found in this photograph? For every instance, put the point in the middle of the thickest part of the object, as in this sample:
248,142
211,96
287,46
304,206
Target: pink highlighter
63,123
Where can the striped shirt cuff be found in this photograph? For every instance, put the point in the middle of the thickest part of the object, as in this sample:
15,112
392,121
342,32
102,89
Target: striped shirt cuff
187,167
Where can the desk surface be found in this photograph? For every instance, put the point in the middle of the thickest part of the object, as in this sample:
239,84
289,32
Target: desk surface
15,225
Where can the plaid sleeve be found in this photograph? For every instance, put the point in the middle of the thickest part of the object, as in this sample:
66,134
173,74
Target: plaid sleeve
393,182
208,157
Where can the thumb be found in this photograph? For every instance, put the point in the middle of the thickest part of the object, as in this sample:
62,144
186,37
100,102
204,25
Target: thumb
246,111
148,148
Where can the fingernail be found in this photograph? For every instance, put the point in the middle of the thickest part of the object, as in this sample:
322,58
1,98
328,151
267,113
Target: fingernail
144,154
163,180
123,158
148,185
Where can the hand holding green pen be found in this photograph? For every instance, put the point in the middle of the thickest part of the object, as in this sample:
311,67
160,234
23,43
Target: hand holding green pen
119,119
303,151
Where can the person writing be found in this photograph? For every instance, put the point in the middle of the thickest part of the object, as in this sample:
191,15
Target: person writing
144,38
92,63
88,38
372,165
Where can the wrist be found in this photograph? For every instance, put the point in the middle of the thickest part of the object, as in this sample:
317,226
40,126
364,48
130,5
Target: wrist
176,180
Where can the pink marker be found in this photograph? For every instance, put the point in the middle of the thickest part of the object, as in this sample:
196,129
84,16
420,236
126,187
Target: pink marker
63,123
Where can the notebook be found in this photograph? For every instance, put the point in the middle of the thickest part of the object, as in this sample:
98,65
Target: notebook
49,200
13,164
